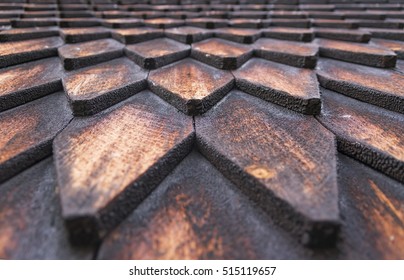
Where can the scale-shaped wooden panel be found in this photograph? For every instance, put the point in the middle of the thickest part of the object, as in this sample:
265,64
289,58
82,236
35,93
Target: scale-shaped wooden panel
28,130
283,160
196,213
108,163
294,88
370,134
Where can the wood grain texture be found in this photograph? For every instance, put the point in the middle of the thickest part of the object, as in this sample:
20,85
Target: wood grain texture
28,130
80,55
79,35
157,53
163,22
13,53
31,226
287,52
343,35
137,35
395,46
372,213
357,53
238,35
389,34
370,134
107,164
285,33
196,213
381,87
283,160
190,86
95,88
18,34
40,78
188,34
277,83
79,22
221,53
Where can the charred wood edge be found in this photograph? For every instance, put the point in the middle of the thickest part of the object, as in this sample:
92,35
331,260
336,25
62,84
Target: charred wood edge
288,58
24,96
194,106
137,38
91,228
311,106
243,39
79,38
156,62
91,106
81,62
374,60
4,37
368,95
189,38
225,63
314,234
18,58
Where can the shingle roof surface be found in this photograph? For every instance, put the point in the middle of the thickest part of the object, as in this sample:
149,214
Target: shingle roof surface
202,129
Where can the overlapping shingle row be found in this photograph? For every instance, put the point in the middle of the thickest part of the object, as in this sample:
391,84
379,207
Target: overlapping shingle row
130,96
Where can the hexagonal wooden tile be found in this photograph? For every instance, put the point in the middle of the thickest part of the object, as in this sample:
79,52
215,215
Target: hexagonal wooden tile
221,53
13,53
30,224
286,33
381,87
18,34
294,88
95,88
188,217
157,53
41,77
108,163
80,55
370,134
188,34
283,160
28,131
137,35
357,53
239,35
191,86
78,35
287,52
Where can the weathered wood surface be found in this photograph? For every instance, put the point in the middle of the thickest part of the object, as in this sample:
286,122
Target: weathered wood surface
285,33
157,53
17,34
221,53
370,134
277,83
365,54
107,164
95,88
395,46
40,78
31,226
238,35
79,35
163,22
28,130
287,52
137,35
381,87
13,53
188,34
191,86
80,55
198,214
283,160
372,213
122,22
208,23
343,35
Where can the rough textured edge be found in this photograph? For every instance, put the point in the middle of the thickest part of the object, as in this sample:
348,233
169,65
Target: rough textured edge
310,233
